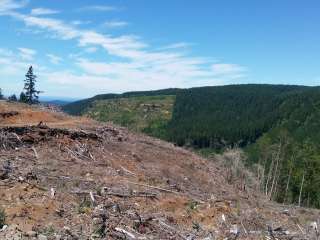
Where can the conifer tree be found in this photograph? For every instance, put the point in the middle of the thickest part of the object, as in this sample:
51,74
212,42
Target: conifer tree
32,95
23,97
13,98
1,95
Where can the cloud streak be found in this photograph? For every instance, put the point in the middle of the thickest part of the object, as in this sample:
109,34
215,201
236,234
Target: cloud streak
27,53
43,11
6,6
99,8
115,24
135,66
54,59
233,71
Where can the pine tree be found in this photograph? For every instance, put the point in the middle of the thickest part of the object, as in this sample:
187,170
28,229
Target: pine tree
13,98
23,97
1,95
31,92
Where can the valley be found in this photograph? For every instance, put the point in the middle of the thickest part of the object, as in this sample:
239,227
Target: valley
276,125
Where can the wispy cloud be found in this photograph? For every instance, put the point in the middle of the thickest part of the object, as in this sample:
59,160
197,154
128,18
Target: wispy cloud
115,24
10,5
177,46
27,53
43,11
58,27
135,64
232,71
54,59
91,50
100,8
15,63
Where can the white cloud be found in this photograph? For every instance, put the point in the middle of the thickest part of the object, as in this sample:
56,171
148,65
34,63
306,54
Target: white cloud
27,53
177,46
10,5
232,71
5,52
43,11
14,65
135,66
100,8
61,29
91,50
54,59
115,24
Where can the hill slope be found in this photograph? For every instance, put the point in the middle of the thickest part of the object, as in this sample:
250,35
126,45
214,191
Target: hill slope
290,151
80,107
90,180
148,114
255,117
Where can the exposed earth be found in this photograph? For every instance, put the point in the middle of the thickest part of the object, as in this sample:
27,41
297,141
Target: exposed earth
65,177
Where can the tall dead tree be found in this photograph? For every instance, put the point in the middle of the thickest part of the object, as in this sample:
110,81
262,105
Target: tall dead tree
301,188
273,169
289,178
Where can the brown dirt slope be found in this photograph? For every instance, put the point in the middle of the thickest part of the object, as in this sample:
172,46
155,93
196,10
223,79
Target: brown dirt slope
72,178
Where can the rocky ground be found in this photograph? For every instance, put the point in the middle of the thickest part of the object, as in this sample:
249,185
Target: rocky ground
73,178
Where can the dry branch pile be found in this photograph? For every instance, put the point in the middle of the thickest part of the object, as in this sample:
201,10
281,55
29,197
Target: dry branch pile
8,114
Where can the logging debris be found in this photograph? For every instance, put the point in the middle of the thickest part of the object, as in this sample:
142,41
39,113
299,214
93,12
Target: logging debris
97,181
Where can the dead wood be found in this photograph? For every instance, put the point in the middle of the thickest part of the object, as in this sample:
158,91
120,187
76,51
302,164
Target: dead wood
8,114
162,189
133,195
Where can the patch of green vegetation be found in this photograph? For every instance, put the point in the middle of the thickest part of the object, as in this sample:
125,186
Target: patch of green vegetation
208,152
84,206
193,205
148,114
48,231
80,107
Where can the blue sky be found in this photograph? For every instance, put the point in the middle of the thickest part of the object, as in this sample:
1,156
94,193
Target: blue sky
86,47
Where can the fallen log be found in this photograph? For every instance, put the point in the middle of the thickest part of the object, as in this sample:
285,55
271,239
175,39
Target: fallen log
128,234
134,195
162,189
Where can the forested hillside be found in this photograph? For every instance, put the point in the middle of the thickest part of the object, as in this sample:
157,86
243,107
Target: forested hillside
227,115
277,125
290,152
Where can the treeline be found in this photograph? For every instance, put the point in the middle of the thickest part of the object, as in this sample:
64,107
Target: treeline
13,98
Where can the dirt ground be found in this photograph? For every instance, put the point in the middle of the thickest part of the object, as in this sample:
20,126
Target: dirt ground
63,177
